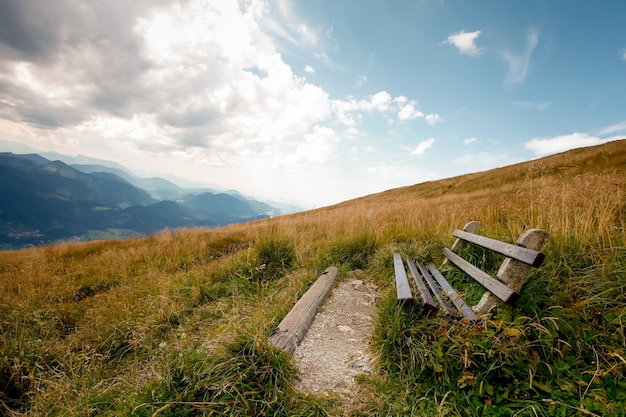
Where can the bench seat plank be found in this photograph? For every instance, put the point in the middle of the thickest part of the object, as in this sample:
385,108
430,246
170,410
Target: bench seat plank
528,256
402,282
497,288
427,299
454,296
436,290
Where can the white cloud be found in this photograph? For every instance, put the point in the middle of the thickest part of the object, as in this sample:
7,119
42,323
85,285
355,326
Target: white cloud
469,141
618,127
201,87
544,105
308,36
324,58
561,143
408,112
318,148
280,20
349,110
400,100
251,100
423,146
345,109
518,63
465,42
623,54
381,101
432,119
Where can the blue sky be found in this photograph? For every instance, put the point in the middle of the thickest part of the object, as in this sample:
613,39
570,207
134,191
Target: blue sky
312,102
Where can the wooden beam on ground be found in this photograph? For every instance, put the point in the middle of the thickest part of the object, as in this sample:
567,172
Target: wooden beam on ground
497,288
290,332
427,299
528,256
454,296
402,282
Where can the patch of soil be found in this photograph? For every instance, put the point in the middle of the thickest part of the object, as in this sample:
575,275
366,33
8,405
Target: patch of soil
336,348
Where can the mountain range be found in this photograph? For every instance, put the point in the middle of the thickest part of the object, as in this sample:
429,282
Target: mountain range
47,201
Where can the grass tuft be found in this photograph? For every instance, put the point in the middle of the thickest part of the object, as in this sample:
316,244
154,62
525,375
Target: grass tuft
176,324
275,255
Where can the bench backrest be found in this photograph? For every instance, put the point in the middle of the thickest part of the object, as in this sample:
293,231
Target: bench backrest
519,261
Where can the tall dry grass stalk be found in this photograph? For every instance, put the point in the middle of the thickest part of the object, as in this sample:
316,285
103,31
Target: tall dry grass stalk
99,327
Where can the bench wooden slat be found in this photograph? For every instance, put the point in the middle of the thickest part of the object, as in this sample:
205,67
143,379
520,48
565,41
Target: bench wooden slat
454,296
402,282
436,290
528,256
496,287
427,299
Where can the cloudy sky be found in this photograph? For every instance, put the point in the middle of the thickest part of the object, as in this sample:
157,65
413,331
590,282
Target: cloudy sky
311,102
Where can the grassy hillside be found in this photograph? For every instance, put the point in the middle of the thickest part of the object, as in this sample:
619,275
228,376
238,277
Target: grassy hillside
176,324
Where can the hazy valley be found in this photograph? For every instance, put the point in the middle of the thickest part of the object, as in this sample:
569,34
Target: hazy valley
46,201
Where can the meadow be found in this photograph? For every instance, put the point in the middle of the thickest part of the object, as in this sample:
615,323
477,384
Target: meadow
176,324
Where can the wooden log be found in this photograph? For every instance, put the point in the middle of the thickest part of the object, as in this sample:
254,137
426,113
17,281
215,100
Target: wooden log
454,296
528,256
402,282
291,330
502,291
427,299
513,272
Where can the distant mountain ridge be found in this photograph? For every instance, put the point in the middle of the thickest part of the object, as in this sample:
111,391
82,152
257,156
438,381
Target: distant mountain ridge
44,201
158,188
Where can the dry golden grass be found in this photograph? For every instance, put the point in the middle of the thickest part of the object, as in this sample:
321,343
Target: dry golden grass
95,327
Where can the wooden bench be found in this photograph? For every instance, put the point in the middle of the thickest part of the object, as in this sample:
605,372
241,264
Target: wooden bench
435,293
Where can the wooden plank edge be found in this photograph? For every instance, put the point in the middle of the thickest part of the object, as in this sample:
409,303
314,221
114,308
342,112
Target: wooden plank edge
436,290
520,253
452,294
427,298
402,282
497,288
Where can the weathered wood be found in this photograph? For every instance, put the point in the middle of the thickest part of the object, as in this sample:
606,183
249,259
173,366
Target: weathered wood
402,282
502,291
513,272
511,276
454,296
427,299
436,290
470,227
291,330
528,256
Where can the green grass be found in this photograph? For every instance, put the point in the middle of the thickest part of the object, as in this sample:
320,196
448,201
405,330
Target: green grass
177,324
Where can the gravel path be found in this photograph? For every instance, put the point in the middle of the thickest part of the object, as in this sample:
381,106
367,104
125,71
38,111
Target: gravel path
336,347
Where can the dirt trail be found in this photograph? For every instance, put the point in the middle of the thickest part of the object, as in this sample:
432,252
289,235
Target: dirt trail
336,347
